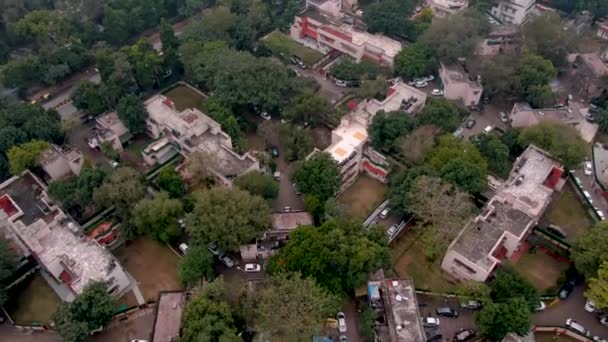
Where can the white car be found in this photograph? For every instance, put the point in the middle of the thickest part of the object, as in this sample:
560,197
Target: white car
428,78
265,116
341,322
359,13
113,164
540,306
252,268
588,168
384,213
590,306
226,260
437,92
575,326
503,117
341,83
392,230
183,247
588,196
395,80
420,84
430,321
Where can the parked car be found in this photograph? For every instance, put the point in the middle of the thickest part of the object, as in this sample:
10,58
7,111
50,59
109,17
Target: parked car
566,290
446,311
359,12
488,129
588,168
437,92
428,78
277,175
430,321
213,249
252,268
577,327
183,247
420,84
265,116
275,151
395,80
503,117
392,230
343,338
341,322
341,83
557,230
464,335
226,260
385,212
471,305
470,123
604,320
590,306
113,164
540,306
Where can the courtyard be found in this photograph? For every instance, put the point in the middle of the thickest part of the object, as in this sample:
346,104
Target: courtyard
152,264
33,301
361,198
568,212
185,97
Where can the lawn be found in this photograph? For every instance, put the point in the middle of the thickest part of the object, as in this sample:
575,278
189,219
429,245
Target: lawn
409,261
541,269
568,212
152,264
361,198
33,301
279,43
185,97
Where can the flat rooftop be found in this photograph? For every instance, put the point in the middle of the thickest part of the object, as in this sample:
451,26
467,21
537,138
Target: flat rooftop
456,74
190,121
482,234
168,316
227,162
600,159
27,194
390,46
401,308
595,63
352,134
111,121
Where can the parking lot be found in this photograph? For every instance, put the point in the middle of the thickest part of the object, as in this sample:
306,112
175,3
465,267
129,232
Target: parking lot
449,326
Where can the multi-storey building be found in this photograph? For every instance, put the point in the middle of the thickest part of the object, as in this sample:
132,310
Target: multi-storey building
513,11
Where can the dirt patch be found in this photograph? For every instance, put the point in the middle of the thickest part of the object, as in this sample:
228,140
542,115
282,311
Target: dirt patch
361,198
541,269
33,301
568,212
153,265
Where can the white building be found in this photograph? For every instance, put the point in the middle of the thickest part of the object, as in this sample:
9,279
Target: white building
111,129
68,258
190,130
507,219
513,11
349,139
61,162
323,30
458,84
444,8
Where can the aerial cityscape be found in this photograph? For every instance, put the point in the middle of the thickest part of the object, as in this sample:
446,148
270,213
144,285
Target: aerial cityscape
303,170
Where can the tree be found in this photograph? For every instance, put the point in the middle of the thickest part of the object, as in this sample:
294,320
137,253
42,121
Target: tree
228,218
387,127
122,190
309,108
293,307
391,17
456,36
496,320
371,89
346,69
171,181
442,210
509,284
11,136
199,167
416,145
299,142
602,120
146,63
539,95
132,112
167,36
414,61
116,24
207,317
402,183
598,287
339,255
562,141
197,264
530,71
467,176
451,148
591,249
495,152
258,184
546,37
158,217
441,113
77,192
7,266
24,156
318,176
88,97
92,309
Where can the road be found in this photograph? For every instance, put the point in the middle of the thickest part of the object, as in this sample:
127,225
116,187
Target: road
589,185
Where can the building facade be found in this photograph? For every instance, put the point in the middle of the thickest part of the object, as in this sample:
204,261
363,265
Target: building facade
444,8
513,11
459,85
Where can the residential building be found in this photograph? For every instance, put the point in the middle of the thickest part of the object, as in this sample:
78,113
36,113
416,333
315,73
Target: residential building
284,223
602,30
589,72
502,39
190,130
348,141
159,151
513,11
111,129
444,8
325,31
600,167
61,162
395,303
507,219
458,84
168,318
69,259
576,115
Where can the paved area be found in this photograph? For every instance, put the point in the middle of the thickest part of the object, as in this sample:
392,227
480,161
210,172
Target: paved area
449,326
488,117
352,321
79,138
589,185
10,333
137,325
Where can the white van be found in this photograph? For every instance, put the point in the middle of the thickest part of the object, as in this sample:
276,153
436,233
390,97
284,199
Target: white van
488,129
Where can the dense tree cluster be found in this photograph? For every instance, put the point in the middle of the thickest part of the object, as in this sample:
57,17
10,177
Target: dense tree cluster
392,18
258,184
348,70
561,140
387,127
76,193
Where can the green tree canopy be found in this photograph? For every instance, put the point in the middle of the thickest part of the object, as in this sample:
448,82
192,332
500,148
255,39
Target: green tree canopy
24,156
338,255
414,61
441,113
387,127
196,265
158,217
77,192
598,287
258,184
469,177
450,148
309,108
228,218
132,112
495,152
171,181
299,142
496,320
89,98
508,284
562,141
373,89
391,17
318,176
292,307
122,190
546,37
348,70
401,184
591,249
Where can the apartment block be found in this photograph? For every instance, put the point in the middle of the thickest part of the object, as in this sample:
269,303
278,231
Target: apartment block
513,11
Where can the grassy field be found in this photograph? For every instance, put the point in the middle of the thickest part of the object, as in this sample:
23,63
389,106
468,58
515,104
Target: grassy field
183,97
33,301
541,269
281,43
409,260
568,212
363,196
153,265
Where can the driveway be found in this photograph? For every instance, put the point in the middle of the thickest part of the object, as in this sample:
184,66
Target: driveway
488,117
449,326
10,333
138,325
79,137
589,185
328,88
